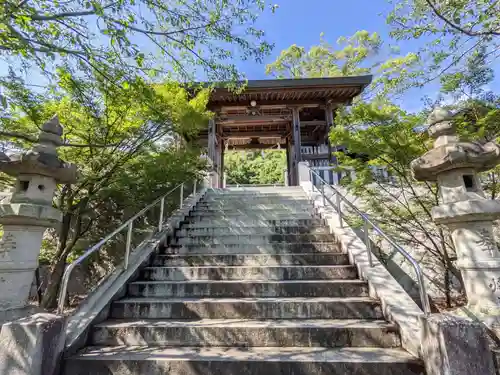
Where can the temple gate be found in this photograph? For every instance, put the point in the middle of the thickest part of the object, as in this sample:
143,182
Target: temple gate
290,114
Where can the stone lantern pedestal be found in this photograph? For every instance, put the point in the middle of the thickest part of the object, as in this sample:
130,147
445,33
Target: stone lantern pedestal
28,212
469,216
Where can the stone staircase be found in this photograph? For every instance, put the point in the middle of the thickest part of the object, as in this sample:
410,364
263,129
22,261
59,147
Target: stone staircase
252,284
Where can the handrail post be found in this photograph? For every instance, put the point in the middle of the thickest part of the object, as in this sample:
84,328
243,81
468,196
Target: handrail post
128,244
339,209
368,243
182,194
424,298
64,288
194,188
323,192
162,208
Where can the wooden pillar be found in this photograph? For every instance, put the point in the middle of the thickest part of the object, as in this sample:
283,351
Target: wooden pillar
334,176
211,141
288,162
215,153
211,151
297,154
221,164
218,162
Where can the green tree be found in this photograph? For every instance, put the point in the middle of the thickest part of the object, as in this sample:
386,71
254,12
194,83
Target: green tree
388,137
349,57
361,53
453,31
255,167
383,135
147,36
124,154
237,168
269,167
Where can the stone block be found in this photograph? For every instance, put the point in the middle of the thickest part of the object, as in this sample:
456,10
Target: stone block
281,308
453,345
19,250
32,345
9,315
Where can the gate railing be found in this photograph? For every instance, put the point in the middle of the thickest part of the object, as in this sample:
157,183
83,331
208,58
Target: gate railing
367,224
129,227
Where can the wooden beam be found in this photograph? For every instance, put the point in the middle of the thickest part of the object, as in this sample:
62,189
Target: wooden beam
249,119
254,134
269,104
256,147
221,105
218,93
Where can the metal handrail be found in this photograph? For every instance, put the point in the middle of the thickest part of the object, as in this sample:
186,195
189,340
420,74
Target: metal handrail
129,224
424,298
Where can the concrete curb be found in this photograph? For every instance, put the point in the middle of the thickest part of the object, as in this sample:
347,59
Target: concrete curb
96,307
397,305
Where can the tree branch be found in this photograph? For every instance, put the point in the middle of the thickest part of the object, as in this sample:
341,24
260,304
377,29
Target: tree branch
161,33
53,17
455,26
81,13
454,62
27,138
165,51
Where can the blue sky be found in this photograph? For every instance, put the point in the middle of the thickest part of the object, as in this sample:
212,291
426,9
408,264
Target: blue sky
302,21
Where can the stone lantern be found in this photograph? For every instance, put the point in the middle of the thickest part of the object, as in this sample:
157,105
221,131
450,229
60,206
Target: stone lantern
464,209
28,211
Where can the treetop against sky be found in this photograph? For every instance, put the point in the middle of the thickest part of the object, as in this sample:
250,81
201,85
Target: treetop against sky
160,37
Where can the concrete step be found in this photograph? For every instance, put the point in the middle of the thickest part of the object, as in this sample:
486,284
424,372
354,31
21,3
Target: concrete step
272,214
245,361
234,230
253,239
250,259
269,196
246,333
299,199
255,209
247,308
252,216
248,288
244,204
291,190
249,222
245,248
256,189
292,272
